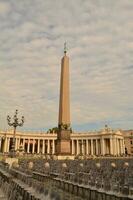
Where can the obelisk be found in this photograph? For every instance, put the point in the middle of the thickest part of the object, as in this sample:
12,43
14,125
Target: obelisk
63,136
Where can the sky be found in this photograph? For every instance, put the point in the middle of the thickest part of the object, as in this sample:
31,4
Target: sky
99,36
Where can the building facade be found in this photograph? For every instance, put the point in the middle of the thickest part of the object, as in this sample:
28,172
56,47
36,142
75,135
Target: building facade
128,138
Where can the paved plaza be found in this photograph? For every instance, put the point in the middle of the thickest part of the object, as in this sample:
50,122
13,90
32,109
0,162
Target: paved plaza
108,173
43,178
2,195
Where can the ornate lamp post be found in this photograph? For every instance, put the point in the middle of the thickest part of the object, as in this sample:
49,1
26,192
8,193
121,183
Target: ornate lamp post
15,124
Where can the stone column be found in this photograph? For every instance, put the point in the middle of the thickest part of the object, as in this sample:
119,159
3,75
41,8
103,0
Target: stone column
72,147
43,146
7,146
48,146
96,147
0,143
123,144
33,146
77,147
118,147
89,143
53,150
115,146
82,147
102,146
91,146
28,148
111,146
38,146
16,143
87,147
24,144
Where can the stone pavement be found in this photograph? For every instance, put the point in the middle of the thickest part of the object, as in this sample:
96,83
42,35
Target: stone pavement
2,196
110,174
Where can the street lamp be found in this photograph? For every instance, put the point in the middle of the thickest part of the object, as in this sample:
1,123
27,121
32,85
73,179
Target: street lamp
15,124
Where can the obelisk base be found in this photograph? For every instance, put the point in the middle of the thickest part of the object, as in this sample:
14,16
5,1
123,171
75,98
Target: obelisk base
63,143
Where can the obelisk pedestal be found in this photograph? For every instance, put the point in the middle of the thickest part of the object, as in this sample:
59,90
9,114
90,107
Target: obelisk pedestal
63,142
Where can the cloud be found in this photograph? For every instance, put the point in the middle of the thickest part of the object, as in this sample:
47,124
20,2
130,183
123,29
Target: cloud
4,8
99,38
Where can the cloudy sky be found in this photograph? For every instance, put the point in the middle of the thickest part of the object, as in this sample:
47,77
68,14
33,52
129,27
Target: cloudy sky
99,35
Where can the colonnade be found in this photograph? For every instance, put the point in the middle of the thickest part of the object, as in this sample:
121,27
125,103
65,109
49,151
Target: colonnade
100,146
44,146
39,146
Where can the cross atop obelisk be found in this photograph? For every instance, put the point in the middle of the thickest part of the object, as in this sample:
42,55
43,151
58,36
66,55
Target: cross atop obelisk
65,48
63,136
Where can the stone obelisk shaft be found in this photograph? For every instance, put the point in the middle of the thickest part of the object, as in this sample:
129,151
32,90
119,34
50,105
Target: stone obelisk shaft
64,104
63,135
